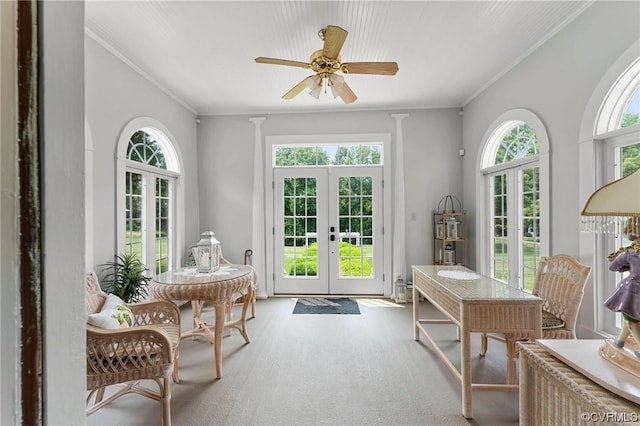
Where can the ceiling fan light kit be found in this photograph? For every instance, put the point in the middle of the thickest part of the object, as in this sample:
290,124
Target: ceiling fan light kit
326,63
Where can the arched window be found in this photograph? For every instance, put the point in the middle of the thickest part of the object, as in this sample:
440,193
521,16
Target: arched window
618,134
151,172
512,241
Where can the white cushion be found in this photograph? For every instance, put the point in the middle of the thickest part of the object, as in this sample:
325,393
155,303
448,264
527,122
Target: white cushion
114,314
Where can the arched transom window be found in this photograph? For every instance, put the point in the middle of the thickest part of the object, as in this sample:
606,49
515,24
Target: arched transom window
144,149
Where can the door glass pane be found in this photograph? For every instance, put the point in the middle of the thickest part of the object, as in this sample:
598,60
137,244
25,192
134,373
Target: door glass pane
134,215
355,218
299,224
530,225
500,252
162,226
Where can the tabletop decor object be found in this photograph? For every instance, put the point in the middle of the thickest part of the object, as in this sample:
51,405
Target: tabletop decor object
401,290
207,253
615,209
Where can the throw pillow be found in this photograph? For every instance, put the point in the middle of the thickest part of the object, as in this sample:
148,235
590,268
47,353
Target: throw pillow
114,314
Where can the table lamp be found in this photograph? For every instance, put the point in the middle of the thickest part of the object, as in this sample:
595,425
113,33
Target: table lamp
615,209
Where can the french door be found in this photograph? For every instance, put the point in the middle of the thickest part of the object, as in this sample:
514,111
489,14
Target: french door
515,225
148,216
328,235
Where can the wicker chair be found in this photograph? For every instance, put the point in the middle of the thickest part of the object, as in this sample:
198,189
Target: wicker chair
247,261
560,281
148,349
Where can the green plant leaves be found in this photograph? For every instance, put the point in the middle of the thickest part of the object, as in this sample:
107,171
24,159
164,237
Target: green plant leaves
126,278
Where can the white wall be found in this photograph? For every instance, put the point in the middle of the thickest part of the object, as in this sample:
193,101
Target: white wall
556,82
62,187
116,94
432,139
9,210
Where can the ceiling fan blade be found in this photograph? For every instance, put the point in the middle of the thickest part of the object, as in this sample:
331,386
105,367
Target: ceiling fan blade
347,94
383,68
262,60
295,91
334,38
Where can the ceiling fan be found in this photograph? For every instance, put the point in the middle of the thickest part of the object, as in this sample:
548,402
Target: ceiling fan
326,63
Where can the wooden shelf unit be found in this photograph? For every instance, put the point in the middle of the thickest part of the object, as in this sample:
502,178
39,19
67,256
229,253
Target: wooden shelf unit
447,243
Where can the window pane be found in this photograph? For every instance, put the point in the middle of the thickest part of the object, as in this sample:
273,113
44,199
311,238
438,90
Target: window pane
143,148
163,237
134,225
530,226
299,224
631,115
500,253
356,252
630,159
519,142
337,155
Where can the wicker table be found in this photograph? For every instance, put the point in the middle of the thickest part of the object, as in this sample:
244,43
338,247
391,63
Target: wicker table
556,390
474,303
220,288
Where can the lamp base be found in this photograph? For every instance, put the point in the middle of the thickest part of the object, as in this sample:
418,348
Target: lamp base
624,357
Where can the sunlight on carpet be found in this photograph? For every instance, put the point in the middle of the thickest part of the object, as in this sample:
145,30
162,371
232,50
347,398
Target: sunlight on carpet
380,303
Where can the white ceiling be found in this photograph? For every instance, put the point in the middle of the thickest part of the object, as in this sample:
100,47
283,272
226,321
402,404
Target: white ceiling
202,52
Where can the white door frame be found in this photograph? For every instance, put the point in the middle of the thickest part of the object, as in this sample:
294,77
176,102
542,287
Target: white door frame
382,138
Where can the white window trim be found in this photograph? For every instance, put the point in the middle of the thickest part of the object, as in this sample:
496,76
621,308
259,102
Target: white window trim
174,168
615,102
483,245
596,121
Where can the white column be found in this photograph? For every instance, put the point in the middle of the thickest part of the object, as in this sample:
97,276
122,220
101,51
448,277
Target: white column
258,237
399,255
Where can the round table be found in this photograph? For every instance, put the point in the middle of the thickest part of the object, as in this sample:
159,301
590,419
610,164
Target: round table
221,288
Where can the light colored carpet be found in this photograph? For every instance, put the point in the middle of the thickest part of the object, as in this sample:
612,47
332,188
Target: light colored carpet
324,370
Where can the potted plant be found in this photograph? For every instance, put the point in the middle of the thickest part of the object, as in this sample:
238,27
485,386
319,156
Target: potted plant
125,277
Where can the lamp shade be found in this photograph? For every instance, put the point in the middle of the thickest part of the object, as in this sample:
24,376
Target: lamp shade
315,84
336,82
610,207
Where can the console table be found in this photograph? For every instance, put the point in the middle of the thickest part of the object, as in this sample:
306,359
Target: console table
554,392
221,288
474,303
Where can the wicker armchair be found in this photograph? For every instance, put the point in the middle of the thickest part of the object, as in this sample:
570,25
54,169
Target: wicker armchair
148,349
560,281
